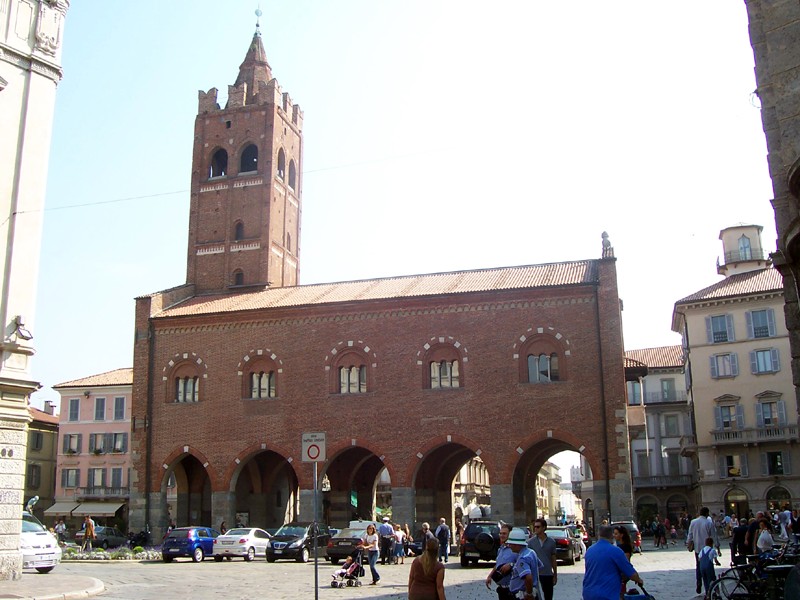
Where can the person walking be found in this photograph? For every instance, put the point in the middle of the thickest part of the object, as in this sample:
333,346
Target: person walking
606,566
525,574
504,563
545,549
223,528
60,529
399,556
370,543
88,534
700,529
442,534
427,534
386,532
426,577
752,533
764,543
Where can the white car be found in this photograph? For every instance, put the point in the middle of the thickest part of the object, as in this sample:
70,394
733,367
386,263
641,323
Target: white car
39,547
247,542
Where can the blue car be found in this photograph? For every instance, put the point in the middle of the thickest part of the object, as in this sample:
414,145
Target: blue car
195,542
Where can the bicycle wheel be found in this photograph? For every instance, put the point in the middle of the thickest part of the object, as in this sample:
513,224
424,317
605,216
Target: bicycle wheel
724,588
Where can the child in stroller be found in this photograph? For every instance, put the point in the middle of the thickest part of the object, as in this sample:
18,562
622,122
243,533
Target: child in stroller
350,572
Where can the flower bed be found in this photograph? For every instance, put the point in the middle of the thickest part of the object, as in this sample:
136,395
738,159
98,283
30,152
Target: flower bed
137,553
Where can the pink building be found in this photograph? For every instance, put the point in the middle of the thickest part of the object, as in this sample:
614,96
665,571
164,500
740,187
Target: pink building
94,460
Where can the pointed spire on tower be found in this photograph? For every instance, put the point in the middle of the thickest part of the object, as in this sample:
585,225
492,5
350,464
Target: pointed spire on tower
255,67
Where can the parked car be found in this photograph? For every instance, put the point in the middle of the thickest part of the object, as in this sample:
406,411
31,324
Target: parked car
195,542
38,547
245,542
480,541
568,547
296,540
104,537
633,529
344,543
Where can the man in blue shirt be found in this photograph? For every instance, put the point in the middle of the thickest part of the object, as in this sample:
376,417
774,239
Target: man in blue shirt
443,535
606,565
386,531
525,574
501,573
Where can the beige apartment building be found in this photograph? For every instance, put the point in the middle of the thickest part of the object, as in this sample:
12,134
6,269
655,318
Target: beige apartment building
740,385
40,466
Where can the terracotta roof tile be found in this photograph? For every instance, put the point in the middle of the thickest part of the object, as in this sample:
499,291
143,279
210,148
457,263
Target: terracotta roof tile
40,415
116,377
741,284
631,363
458,282
663,356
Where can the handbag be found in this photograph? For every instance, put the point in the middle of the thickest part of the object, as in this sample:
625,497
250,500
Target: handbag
690,545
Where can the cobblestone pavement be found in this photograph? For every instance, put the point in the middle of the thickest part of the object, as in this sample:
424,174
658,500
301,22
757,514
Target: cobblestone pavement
668,575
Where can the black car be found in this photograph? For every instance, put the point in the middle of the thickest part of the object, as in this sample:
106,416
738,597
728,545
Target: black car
296,540
480,541
568,548
344,543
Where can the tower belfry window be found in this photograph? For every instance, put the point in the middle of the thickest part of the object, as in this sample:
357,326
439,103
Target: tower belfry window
249,161
745,252
281,164
292,175
219,164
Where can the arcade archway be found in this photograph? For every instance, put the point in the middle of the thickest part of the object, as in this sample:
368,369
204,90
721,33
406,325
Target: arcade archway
351,480
186,488
265,491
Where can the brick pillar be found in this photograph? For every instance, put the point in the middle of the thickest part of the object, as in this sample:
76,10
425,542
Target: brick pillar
403,510
223,508
503,504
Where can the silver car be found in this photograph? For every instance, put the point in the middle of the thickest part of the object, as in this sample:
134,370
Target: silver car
246,542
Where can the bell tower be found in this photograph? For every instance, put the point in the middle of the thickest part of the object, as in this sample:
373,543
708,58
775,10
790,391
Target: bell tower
246,191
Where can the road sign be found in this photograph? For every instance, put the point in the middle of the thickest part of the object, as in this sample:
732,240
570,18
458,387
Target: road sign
314,447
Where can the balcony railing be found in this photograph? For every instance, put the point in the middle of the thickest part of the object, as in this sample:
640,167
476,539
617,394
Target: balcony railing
103,492
688,444
752,435
739,255
662,481
662,397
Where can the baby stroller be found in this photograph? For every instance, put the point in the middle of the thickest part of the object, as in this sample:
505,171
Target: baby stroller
633,594
351,575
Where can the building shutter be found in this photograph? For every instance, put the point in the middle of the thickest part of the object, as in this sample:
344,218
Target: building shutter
90,478
759,415
712,362
786,459
748,316
771,322
776,360
124,442
764,463
739,416
80,443
722,467
718,417
743,462
729,328
91,442
64,444
734,364
709,331
108,442
753,362
781,413
63,478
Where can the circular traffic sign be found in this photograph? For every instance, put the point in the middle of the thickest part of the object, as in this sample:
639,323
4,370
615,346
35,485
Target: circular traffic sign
313,451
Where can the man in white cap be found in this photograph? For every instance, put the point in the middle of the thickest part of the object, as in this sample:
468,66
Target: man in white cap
387,537
525,574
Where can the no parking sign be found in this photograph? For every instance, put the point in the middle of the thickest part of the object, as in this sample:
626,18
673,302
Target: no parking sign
314,447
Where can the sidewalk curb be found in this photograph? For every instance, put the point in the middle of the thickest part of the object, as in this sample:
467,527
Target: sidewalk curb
97,587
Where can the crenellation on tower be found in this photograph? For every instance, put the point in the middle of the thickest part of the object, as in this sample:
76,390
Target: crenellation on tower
207,101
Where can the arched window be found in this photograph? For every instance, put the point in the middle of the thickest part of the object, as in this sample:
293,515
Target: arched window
219,164
745,252
444,368
249,161
353,379
541,358
281,164
262,384
238,277
292,175
187,388
444,374
238,231
543,368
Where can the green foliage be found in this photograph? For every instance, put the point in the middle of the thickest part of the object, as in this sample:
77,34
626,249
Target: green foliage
138,549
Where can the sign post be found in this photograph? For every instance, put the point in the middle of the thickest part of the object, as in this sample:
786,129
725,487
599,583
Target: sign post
314,450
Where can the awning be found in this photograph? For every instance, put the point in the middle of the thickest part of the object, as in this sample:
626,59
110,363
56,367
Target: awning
97,509
61,509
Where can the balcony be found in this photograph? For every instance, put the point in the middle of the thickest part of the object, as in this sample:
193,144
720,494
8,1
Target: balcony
751,435
663,481
737,256
674,396
688,444
99,492
576,488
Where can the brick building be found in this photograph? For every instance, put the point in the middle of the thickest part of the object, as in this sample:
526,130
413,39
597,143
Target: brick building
413,375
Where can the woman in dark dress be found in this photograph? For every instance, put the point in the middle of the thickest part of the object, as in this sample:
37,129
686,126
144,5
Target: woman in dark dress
623,539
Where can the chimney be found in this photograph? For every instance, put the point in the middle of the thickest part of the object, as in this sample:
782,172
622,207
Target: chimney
49,407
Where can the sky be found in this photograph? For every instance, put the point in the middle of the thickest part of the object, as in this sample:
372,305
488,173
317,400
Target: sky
438,136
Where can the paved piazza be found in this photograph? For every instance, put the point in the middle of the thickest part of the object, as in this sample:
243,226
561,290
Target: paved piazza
668,575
